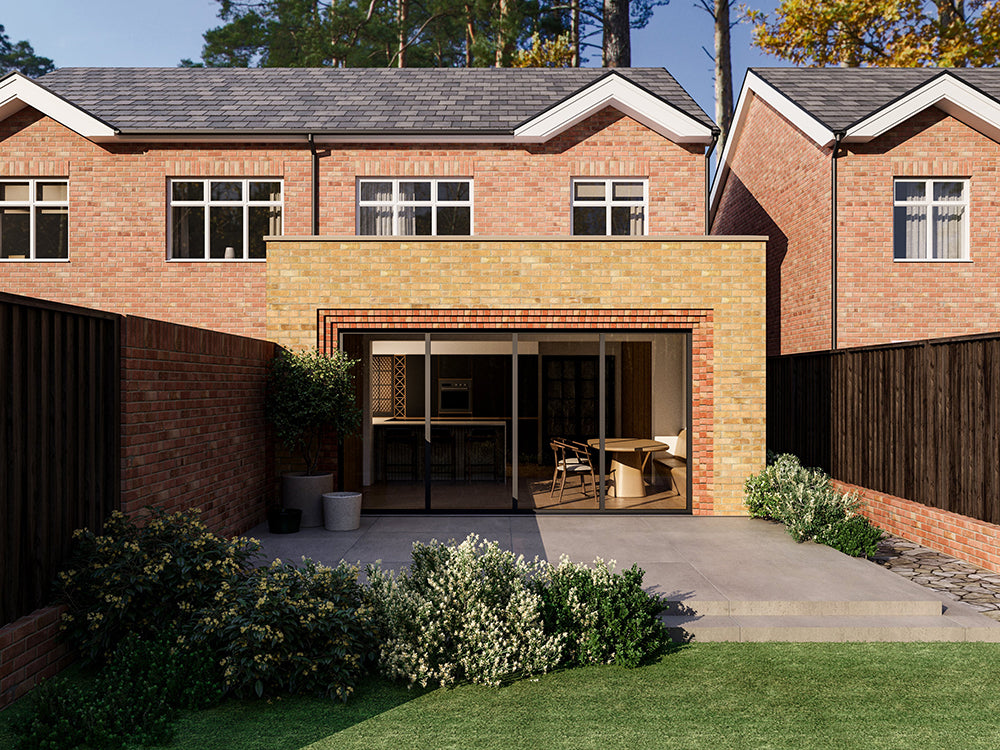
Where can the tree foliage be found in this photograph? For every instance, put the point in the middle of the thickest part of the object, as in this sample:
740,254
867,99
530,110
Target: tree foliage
21,57
895,33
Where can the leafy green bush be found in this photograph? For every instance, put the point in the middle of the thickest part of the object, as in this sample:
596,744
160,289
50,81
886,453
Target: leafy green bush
607,617
143,579
288,628
808,505
133,698
466,612
855,536
309,392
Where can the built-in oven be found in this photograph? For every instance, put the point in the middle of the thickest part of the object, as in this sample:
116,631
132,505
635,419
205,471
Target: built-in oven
455,397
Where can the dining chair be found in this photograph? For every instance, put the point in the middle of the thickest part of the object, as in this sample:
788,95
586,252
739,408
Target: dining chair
572,459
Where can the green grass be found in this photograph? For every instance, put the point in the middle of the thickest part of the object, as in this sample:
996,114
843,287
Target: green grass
757,696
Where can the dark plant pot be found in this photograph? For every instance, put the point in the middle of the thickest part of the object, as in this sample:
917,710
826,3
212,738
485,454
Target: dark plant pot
284,521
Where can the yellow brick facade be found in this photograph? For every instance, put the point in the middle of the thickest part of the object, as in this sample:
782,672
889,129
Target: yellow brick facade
716,285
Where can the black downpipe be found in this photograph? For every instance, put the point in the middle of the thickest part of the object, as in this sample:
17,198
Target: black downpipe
708,182
315,185
838,137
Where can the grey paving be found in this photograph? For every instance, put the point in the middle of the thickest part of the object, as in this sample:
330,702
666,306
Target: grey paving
722,578
326,100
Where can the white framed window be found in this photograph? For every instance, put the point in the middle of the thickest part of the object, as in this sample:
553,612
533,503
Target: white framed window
34,219
407,207
610,207
223,219
930,219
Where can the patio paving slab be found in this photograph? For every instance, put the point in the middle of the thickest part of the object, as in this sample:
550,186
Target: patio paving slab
724,578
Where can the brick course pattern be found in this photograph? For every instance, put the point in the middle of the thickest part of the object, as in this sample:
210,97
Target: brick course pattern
711,286
118,211
193,429
31,651
779,185
969,539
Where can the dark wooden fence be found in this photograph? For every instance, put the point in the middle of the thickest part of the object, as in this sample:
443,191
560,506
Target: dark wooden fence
59,439
919,420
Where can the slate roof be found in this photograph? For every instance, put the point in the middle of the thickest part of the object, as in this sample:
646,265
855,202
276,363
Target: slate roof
841,97
329,100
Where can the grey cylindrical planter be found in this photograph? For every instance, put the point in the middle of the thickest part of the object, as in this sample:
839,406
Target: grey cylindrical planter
342,510
305,492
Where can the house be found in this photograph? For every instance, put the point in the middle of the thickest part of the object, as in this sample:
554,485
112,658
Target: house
513,256
878,191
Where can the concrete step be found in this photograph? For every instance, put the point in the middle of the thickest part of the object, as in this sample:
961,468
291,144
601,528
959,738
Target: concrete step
926,606
958,627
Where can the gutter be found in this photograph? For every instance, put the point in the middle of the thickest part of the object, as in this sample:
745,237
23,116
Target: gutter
838,138
708,180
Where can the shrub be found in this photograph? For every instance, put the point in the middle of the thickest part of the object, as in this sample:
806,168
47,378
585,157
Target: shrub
288,628
307,393
466,612
143,579
810,508
607,618
134,698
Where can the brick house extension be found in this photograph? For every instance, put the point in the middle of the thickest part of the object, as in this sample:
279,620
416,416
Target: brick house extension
879,190
150,192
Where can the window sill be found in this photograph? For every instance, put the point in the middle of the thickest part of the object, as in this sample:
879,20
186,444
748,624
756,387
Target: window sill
34,260
216,260
932,260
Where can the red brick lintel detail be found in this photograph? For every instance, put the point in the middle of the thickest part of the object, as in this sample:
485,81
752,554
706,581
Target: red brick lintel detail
331,322
969,539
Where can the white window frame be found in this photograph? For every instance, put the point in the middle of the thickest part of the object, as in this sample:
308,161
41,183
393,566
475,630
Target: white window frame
32,204
207,204
608,203
396,204
930,204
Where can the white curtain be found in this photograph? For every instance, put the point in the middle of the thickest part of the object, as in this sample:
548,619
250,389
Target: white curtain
376,220
916,231
948,231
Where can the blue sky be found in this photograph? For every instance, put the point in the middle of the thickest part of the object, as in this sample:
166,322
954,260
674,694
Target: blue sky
145,33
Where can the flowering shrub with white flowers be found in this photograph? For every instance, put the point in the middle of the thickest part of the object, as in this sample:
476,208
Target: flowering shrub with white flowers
144,578
287,628
810,507
462,613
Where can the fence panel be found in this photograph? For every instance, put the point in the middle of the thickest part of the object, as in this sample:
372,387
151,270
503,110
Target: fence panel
59,435
919,420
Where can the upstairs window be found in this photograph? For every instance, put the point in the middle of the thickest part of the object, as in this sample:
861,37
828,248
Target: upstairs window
223,219
415,207
931,220
34,219
610,207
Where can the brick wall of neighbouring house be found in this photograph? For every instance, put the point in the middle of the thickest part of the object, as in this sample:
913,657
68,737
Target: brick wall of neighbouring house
881,300
711,286
193,430
974,541
118,211
779,187
30,651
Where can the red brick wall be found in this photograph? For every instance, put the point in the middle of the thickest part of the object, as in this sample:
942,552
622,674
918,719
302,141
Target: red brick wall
118,204
977,542
779,186
30,651
193,430
881,300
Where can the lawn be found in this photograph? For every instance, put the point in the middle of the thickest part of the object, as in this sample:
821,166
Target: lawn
703,696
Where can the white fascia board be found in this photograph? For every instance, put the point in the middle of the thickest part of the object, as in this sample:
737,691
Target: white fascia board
17,92
948,93
618,92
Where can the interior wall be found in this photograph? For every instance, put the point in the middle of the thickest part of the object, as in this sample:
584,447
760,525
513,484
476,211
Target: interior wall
670,378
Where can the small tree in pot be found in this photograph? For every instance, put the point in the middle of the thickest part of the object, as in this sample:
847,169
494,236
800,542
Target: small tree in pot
308,394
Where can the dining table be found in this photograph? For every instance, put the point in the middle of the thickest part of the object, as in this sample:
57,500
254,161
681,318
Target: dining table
629,457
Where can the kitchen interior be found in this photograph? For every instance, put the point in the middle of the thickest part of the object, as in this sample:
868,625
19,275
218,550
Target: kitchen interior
491,433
